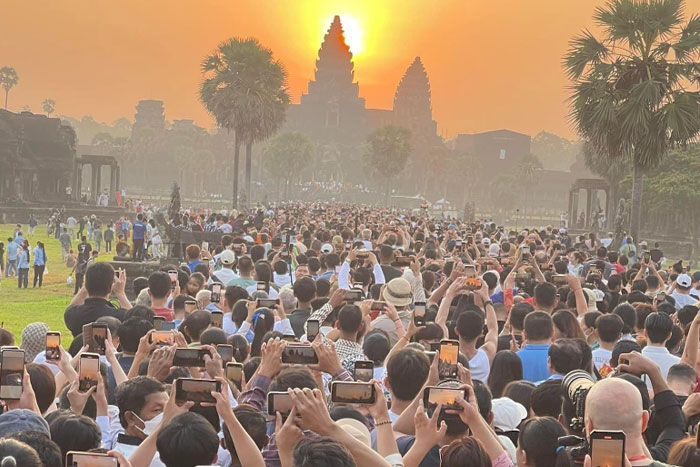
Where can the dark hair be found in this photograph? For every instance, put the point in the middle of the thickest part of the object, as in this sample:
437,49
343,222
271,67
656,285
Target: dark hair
187,441
546,399
518,313
48,451
506,367
350,318
132,394
430,331
538,326
73,432
545,294
240,347
565,355
684,453
623,346
304,289
239,313
22,454
470,325
143,312
43,385
323,287
376,346
99,278
658,327
466,451
628,315
614,281
253,422
213,336
233,294
194,324
639,285
6,337
520,392
681,370
159,284
264,324
567,324
609,327
250,367
539,439
131,331
406,372
590,318
321,452
293,377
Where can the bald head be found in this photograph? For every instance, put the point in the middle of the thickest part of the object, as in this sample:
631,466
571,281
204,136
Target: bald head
615,404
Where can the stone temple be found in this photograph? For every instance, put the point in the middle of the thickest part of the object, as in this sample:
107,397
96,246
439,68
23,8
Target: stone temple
334,116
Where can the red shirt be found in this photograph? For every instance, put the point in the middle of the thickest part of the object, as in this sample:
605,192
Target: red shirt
166,313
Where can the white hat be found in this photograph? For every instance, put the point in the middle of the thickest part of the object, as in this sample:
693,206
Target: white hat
327,248
227,257
398,292
684,280
356,429
486,241
494,250
507,414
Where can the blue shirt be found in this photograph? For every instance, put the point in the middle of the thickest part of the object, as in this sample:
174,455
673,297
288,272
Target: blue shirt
23,262
534,358
39,257
12,250
139,230
19,239
193,264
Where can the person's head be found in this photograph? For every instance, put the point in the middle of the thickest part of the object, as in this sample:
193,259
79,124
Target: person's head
43,385
682,379
245,265
73,432
538,442
140,400
518,313
546,399
187,441
545,296
193,252
616,404
623,346
406,372
213,336
253,422
564,355
538,327
304,290
293,377
684,453
470,325
506,367
6,337
263,322
466,451
386,254
321,452
49,453
520,392
194,324
376,346
195,283
349,319
609,327
15,453
159,285
99,278
658,327
566,325
131,331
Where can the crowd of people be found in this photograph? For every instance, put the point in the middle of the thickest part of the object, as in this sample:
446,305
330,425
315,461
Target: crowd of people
472,345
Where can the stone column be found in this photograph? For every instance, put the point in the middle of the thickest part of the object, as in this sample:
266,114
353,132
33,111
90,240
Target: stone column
112,181
93,183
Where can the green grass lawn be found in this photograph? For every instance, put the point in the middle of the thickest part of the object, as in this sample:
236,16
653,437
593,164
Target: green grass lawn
19,307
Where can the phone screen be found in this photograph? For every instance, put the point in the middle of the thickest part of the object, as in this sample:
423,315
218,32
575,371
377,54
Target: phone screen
225,351
279,402
217,319
607,451
216,293
196,390
161,337
447,366
445,396
11,374
173,278
352,393
158,323
364,371
234,373
299,355
99,336
88,459
53,341
190,306
312,329
419,314
189,357
89,369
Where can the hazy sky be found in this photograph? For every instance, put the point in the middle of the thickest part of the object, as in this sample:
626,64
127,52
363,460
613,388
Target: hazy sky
492,63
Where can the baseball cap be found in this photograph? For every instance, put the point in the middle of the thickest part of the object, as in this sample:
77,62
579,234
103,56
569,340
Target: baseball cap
227,257
486,241
507,414
327,248
18,420
684,280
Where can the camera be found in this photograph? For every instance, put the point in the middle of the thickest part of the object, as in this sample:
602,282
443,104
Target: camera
576,385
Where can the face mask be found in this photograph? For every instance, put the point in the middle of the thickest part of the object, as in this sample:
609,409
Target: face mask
150,426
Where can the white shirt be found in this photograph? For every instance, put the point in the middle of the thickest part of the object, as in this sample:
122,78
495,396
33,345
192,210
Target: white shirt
662,357
479,366
225,276
683,299
601,359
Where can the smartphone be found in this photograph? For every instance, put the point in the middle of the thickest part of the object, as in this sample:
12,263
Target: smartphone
364,371
458,245
354,295
279,402
348,245
89,371
190,357
607,448
190,306
447,366
433,395
470,239
53,341
168,326
94,336
217,319
402,261
90,459
225,352
196,390
525,254
473,283
173,278
313,327
346,392
266,302
299,354
559,279
158,323
434,346
205,246
262,285
469,270
160,338
647,257
378,305
234,373
419,314
430,354
363,254
216,292
11,373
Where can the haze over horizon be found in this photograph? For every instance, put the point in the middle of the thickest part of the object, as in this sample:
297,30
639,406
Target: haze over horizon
492,64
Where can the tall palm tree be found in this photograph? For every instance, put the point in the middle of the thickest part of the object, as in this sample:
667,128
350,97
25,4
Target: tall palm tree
49,105
634,93
8,78
245,89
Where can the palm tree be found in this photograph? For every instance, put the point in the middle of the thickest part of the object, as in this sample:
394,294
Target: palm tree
49,105
246,91
386,154
8,78
631,96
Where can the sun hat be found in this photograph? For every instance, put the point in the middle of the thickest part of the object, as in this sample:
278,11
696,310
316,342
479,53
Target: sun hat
33,340
398,292
356,429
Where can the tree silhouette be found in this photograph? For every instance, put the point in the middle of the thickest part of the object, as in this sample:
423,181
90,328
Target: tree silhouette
8,79
386,154
49,105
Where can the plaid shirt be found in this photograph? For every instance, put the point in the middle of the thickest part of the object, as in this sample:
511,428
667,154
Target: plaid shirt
349,352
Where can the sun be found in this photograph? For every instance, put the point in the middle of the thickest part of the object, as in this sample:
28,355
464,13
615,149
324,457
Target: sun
352,30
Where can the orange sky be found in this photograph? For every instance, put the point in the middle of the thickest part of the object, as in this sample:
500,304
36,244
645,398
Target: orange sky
492,63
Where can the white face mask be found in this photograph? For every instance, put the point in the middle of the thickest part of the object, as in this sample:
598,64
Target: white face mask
150,426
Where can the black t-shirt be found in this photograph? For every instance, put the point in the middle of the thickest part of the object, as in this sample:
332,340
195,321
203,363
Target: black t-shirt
77,315
84,250
390,272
